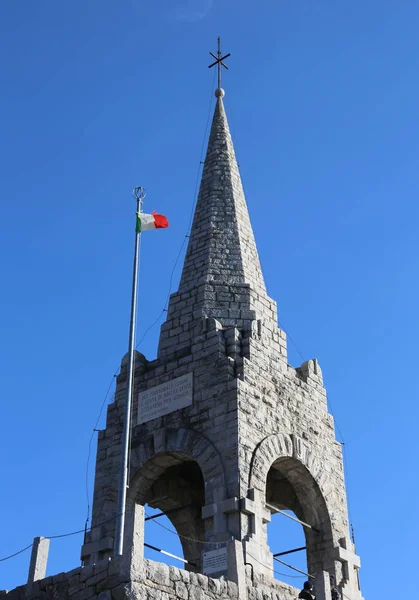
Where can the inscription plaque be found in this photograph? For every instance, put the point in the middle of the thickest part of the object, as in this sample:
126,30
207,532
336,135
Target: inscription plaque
214,561
165,398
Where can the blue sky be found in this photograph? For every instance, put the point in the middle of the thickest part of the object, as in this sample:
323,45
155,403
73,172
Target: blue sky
100,96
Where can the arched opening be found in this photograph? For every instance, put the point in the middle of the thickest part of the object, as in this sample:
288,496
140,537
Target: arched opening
172,484
160,536
290,488
285,538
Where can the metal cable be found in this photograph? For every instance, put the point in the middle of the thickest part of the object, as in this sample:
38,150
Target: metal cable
61,535
16,553
190,539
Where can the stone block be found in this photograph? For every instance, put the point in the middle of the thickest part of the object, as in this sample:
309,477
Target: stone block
99,546
96,578
120,592
181,590
75,587
39,560
102,565
84,594
159,573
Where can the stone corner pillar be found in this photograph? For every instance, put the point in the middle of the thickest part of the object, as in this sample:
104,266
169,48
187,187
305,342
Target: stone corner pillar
39,560
322,586
132,560
235,567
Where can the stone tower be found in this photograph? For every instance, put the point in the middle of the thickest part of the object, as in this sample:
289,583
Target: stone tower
224,433
224,430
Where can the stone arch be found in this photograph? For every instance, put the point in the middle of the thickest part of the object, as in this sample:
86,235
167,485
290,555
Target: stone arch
280,445
164,448
267,451
286,475
177,472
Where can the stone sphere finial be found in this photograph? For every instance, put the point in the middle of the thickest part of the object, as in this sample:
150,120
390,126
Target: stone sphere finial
220,93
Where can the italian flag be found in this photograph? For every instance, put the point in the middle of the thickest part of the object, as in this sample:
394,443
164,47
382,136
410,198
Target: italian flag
153,221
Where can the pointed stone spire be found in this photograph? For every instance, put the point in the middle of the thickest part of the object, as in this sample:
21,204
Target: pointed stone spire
221,279
222,247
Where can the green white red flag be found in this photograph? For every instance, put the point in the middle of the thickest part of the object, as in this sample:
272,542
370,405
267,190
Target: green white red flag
154,221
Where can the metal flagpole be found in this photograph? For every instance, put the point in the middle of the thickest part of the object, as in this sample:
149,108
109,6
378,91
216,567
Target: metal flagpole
139,195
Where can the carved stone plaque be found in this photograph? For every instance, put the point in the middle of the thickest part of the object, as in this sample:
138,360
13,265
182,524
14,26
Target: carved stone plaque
165,398
214,561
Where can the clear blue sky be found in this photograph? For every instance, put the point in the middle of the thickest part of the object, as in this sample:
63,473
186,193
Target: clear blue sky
100,96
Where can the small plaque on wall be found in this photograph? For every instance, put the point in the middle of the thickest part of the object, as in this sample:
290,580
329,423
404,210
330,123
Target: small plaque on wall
214,561
165,398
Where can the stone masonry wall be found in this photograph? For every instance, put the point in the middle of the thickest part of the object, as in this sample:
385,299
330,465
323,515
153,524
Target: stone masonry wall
283,414
208,426
103,581
249,409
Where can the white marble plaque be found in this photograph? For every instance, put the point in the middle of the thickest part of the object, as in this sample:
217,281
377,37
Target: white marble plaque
214,561
165,398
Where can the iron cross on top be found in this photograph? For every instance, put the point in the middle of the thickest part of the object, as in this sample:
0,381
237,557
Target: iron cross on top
219,62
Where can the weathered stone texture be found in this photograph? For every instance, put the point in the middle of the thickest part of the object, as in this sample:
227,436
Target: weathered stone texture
39,560
104,582
258,430
258,435
222,246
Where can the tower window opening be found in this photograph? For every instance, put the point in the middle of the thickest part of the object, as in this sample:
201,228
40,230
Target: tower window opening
288,489
285,535
177,496
158,533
